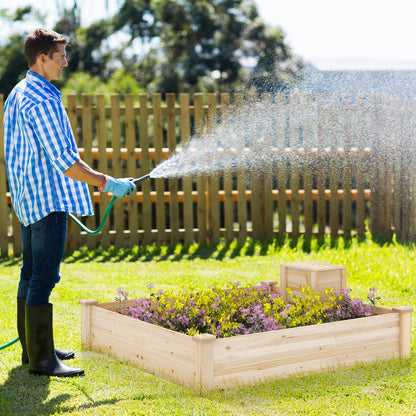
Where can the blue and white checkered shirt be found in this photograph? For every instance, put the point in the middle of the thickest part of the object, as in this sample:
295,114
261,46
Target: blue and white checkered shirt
39,146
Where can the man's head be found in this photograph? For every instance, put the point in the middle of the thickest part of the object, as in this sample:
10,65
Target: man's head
45,53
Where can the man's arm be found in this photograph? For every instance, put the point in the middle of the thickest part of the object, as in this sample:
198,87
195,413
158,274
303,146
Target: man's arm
80,171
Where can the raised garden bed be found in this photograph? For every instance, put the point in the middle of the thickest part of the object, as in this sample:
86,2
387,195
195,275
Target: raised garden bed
205,362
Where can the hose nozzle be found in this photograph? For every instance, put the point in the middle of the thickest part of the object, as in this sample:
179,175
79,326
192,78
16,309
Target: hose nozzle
136,181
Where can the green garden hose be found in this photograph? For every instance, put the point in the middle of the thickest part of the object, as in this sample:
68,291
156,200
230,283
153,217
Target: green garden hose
77,221
107,211
2,347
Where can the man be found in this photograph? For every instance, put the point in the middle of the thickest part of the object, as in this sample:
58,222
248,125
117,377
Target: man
47,179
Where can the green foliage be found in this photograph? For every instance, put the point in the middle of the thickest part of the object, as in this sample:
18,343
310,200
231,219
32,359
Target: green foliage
171,46
121,83
13,65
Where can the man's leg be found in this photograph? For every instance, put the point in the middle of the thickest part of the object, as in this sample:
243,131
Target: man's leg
48,238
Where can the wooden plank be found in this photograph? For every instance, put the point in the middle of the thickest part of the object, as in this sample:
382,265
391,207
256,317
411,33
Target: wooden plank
328,348
86,125
294,109
347,134
117,169
308,119
305,334
102,164
160,349
333,165
173,182
241,177
384,351
281,115
201,180
213,203
227,173
4,209
188,216
159,182
145,168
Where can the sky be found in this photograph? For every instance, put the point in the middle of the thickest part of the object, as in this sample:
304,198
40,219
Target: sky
330,34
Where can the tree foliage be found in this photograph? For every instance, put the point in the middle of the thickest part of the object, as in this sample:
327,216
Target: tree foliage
167,46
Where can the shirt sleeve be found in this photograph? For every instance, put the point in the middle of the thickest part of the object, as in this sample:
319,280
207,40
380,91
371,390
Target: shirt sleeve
52,129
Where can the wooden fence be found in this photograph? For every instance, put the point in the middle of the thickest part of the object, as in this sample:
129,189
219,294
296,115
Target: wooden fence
337,164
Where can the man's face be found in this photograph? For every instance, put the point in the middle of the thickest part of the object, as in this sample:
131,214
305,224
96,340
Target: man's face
55,64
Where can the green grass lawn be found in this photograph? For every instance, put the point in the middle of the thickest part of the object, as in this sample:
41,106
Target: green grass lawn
111,387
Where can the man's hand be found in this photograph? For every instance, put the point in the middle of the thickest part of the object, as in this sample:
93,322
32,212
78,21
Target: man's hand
119,187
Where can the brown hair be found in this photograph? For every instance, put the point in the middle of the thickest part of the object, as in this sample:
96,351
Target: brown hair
42,41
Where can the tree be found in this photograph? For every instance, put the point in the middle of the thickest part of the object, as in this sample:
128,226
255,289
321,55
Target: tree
176,46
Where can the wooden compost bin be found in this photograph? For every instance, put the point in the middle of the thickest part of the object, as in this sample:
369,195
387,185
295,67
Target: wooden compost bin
204,362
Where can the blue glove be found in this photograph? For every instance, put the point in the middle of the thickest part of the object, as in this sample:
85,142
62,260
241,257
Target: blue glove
119,187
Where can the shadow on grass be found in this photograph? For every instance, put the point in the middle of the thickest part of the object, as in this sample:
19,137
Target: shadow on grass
180,251
23,394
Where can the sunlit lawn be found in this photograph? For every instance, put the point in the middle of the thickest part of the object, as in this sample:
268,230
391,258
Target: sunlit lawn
113,387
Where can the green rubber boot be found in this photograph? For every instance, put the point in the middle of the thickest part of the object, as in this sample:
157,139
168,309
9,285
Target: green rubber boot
40,346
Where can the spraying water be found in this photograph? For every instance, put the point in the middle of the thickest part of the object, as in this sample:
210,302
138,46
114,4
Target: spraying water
241,141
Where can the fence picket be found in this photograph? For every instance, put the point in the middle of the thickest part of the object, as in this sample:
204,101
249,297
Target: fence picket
321,165
241,179
227,172
333,167
86,124
308,160
133,215
266,184
188,217
281,161
201,186
294,162
213,207
347,172
173,182
145,168
102,164
160,182
362,131
117,170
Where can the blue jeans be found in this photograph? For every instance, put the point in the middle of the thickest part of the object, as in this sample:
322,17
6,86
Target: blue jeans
43,244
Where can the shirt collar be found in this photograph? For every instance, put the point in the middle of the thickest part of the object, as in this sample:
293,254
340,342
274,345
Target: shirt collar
33,77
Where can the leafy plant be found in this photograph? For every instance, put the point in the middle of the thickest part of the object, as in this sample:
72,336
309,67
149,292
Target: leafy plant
236,310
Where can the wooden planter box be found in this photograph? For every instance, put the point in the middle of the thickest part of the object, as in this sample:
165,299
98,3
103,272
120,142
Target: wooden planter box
204,362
